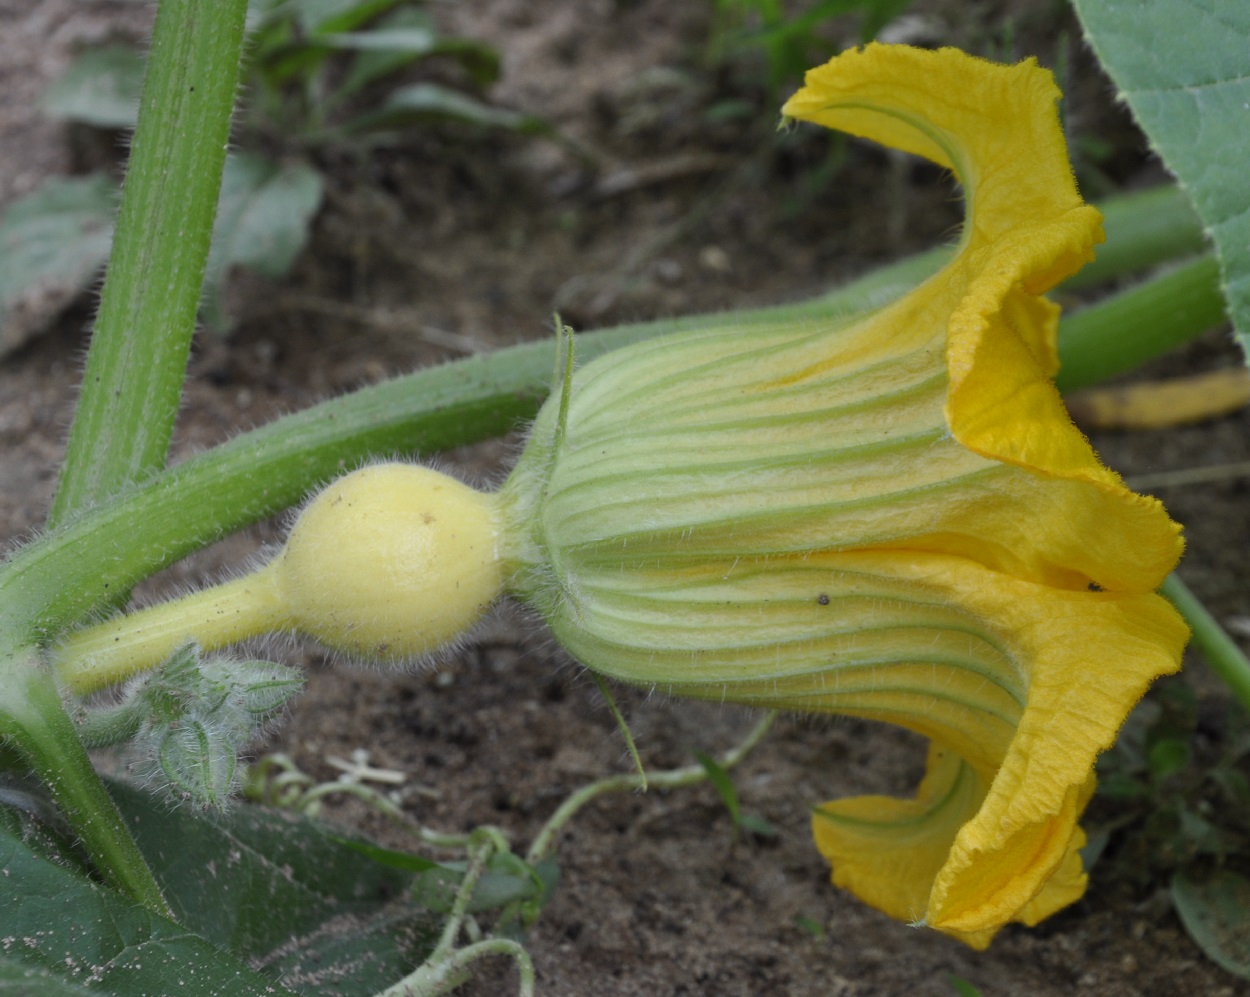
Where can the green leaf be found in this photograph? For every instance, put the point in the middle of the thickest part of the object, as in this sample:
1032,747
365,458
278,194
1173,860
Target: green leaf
262,223
1168,756
286,34
18,978
403,41
1213,910
422,103
372,65
507,879
405,861
27,814
263,220
259,897
1181,65
329,16
479,60
1121,786
962,986
414,40
723,783
264,884
77,937
516,918
53,243
276,56
1203,836
101,88
1234,785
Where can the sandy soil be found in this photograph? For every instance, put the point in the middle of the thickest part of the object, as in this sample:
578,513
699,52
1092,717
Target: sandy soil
454,243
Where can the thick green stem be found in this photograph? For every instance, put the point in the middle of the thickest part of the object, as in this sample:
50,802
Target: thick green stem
1222,654
1143,230
131,387
1139,324
33,721
138,356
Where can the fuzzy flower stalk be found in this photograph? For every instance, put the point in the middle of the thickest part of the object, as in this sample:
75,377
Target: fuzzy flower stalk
886,515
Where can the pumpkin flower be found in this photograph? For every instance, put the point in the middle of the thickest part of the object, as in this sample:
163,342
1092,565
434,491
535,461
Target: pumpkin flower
887,515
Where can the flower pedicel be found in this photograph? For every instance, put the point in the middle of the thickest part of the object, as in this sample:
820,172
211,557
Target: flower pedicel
886,515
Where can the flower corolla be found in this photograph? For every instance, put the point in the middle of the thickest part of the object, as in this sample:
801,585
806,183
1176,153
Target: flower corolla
886,515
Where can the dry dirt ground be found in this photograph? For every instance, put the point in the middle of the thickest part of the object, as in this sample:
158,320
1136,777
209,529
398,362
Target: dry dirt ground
454,243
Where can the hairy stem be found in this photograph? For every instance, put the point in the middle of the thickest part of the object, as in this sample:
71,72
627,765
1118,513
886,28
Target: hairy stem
436,979
142,336
105,654
130,393
544,843
34,722
1223,655
1143,230
1139,324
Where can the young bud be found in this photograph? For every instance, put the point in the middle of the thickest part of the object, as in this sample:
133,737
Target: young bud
197,761
190,718
258,689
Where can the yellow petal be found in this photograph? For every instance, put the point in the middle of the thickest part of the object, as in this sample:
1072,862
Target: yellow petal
1002,405
1088,657
1091,657
995,126
1026,229
887,851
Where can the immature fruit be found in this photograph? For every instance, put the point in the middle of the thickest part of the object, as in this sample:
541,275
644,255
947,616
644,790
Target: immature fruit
390,561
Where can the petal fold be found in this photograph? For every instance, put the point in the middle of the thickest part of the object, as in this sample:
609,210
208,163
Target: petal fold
887,851
1089,657
998,129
